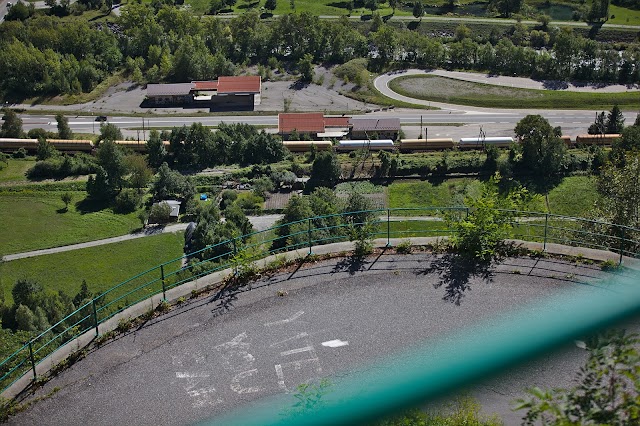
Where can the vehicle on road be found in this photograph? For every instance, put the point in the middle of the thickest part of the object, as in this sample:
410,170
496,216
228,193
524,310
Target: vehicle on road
101,118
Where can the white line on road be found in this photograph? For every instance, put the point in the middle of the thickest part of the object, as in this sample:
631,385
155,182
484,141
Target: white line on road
297,351
285,321
335,343
297,336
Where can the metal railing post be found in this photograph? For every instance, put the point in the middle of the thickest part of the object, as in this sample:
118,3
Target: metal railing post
388,227
621,246
164,288
235,261
309,234
546,222
467,210
33,362
95,316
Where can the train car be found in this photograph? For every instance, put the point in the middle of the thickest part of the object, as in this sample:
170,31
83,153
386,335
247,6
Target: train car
479,143
372,145
566,140
606,139
72,145
137,146
11,144
305,146
409,145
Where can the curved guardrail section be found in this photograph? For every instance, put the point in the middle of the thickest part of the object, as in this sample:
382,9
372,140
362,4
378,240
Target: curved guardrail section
233,253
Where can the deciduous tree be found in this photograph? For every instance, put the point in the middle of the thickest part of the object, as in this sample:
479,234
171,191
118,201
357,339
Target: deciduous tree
542,148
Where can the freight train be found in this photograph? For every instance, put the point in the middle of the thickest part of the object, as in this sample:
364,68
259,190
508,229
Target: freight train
403,145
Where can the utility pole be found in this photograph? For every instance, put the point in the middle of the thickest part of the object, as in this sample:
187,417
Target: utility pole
420,137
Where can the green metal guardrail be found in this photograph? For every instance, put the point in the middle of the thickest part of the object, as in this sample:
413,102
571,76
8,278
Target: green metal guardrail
532,226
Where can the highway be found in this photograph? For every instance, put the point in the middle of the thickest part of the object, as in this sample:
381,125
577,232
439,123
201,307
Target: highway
450,122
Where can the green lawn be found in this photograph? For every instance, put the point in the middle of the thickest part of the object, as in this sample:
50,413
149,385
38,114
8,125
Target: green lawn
623,16
442,89
15,170
102,267
37,220
574,196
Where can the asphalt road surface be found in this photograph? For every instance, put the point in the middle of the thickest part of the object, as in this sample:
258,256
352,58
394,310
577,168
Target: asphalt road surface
440,123
325,319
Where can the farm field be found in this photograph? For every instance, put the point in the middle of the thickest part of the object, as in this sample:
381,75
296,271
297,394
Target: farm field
37,220
442,89
102,267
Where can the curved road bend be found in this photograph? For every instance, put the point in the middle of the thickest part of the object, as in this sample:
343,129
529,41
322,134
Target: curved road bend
324,319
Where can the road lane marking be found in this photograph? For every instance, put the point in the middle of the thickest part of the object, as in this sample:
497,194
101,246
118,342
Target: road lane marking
297,336
335,343
285,321
297,351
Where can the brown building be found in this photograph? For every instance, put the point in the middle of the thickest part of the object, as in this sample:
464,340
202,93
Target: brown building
374,128
241,92
313,124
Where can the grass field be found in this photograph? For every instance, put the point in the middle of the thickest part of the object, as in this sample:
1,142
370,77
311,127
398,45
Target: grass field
574,196
102,267
623,16
442,89
37,220
15,170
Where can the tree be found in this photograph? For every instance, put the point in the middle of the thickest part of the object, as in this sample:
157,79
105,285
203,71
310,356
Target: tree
325,170
372,5
160,213
599,126
615,120
393,4
45,150
235,215
111,159
542,149
66,198
171,184
305,67
26,292
490,220
418,9
156,150
12,126
606,392
506,7
109,132
139,172
619,189
296,210
64,131
270,5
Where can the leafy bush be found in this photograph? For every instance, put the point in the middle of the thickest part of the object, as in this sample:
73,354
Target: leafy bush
127,201
159,213
352,70
404,247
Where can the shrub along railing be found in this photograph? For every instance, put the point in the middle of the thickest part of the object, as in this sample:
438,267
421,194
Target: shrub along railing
238,252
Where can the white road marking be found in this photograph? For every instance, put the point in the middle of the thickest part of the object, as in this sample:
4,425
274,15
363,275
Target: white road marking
285,321
297,351
280,378
235,382
297,336
335,343
187,375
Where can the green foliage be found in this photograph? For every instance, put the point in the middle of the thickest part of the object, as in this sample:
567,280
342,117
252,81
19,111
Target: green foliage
159,213
127,201
309,396
489,222
606,392
404,247
462,411
66,198
64,131
325,171
12,125
59,167
542,149
171,184
156,150
45,150
619,189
